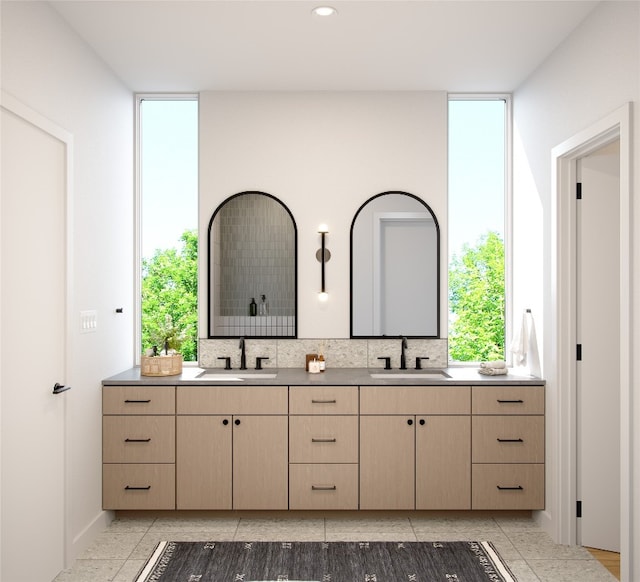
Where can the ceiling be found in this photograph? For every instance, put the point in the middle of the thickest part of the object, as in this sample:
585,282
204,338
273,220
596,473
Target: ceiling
249,45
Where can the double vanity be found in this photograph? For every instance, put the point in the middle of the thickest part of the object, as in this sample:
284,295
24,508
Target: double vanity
346,439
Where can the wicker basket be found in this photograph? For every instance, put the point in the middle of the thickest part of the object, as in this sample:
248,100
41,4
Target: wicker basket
161,365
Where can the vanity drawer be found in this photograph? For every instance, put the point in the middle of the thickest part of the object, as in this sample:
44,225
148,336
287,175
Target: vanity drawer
323,400
415,400
508,400
138,439
507,486
261,400
507,439
138,486
323,439
138,400
323,486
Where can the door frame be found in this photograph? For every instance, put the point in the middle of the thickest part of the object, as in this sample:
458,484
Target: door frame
563,429
16,107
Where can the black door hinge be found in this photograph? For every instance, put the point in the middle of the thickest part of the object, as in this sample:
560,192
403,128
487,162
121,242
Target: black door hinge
579,190
579,352
578,508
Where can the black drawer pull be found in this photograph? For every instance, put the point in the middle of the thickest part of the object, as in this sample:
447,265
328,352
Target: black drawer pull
518,488
129,488
520,401
323,487
137,440
137,401
323,440
510,440
323,401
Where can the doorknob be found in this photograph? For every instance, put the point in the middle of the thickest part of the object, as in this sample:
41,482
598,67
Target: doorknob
58,388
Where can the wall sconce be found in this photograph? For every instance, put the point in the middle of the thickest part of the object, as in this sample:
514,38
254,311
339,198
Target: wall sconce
323,255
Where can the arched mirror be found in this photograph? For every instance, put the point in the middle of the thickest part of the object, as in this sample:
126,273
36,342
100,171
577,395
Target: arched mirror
252,268
395,268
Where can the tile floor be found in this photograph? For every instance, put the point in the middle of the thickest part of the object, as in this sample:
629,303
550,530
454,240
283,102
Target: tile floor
121,550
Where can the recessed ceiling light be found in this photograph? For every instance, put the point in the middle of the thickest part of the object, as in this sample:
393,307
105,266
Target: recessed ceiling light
324,11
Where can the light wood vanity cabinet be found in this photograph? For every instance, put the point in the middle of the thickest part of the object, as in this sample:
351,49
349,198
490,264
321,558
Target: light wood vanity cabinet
508,447
323,447
231,447
415,447
138,447
199,447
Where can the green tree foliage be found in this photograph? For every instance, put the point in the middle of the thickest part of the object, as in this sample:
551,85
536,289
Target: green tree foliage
170,298
476,301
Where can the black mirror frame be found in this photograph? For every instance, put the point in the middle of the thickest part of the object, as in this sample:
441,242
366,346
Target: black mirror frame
353,222
210,335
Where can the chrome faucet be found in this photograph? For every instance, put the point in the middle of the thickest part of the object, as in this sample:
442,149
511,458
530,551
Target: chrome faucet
243,356
403,357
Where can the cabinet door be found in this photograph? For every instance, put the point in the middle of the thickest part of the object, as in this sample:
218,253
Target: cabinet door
443,462
260,462
387,462
203,462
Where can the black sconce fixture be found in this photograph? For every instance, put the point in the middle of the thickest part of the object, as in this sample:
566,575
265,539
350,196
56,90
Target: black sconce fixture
323,255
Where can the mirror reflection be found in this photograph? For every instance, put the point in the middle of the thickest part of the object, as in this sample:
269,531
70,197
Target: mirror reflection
395,268
252,268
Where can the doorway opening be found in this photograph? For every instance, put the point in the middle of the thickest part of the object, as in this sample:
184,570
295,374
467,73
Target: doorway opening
563,375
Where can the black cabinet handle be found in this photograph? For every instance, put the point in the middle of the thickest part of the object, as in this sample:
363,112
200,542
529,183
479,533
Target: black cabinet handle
323,440
510,440
323,401
422,422
518,488
409,422
519,401
236,422
323,487
137,401
137,440
129,488
225,421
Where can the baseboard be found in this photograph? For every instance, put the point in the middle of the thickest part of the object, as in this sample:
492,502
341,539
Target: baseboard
543,519
83,540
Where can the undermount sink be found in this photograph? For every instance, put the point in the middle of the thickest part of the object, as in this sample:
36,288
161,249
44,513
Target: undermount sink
234,377
409,375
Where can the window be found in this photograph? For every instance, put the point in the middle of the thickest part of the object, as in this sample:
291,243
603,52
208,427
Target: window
168,223
478,185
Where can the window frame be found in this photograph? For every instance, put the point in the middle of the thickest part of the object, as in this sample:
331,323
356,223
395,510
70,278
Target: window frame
508,216
137,267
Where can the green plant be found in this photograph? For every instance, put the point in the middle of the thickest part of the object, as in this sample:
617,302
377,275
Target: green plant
477,301
170,298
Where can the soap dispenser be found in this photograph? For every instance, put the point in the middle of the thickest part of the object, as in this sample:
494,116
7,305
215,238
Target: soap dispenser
253,307
263,309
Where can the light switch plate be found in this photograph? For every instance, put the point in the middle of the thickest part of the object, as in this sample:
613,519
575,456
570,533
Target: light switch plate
88,321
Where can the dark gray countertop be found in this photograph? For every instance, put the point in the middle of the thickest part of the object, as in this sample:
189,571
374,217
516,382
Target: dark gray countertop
332,377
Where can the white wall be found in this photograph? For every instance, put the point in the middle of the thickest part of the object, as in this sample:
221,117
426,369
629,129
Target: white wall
49,69
593,73
323,154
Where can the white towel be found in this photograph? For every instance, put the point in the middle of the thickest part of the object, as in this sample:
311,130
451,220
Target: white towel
493,371
525,345
495,364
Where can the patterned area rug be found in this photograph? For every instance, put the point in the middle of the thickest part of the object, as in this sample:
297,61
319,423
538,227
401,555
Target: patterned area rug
325,562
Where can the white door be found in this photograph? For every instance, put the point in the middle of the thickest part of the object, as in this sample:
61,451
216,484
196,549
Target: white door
598,332
404,288
32,351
